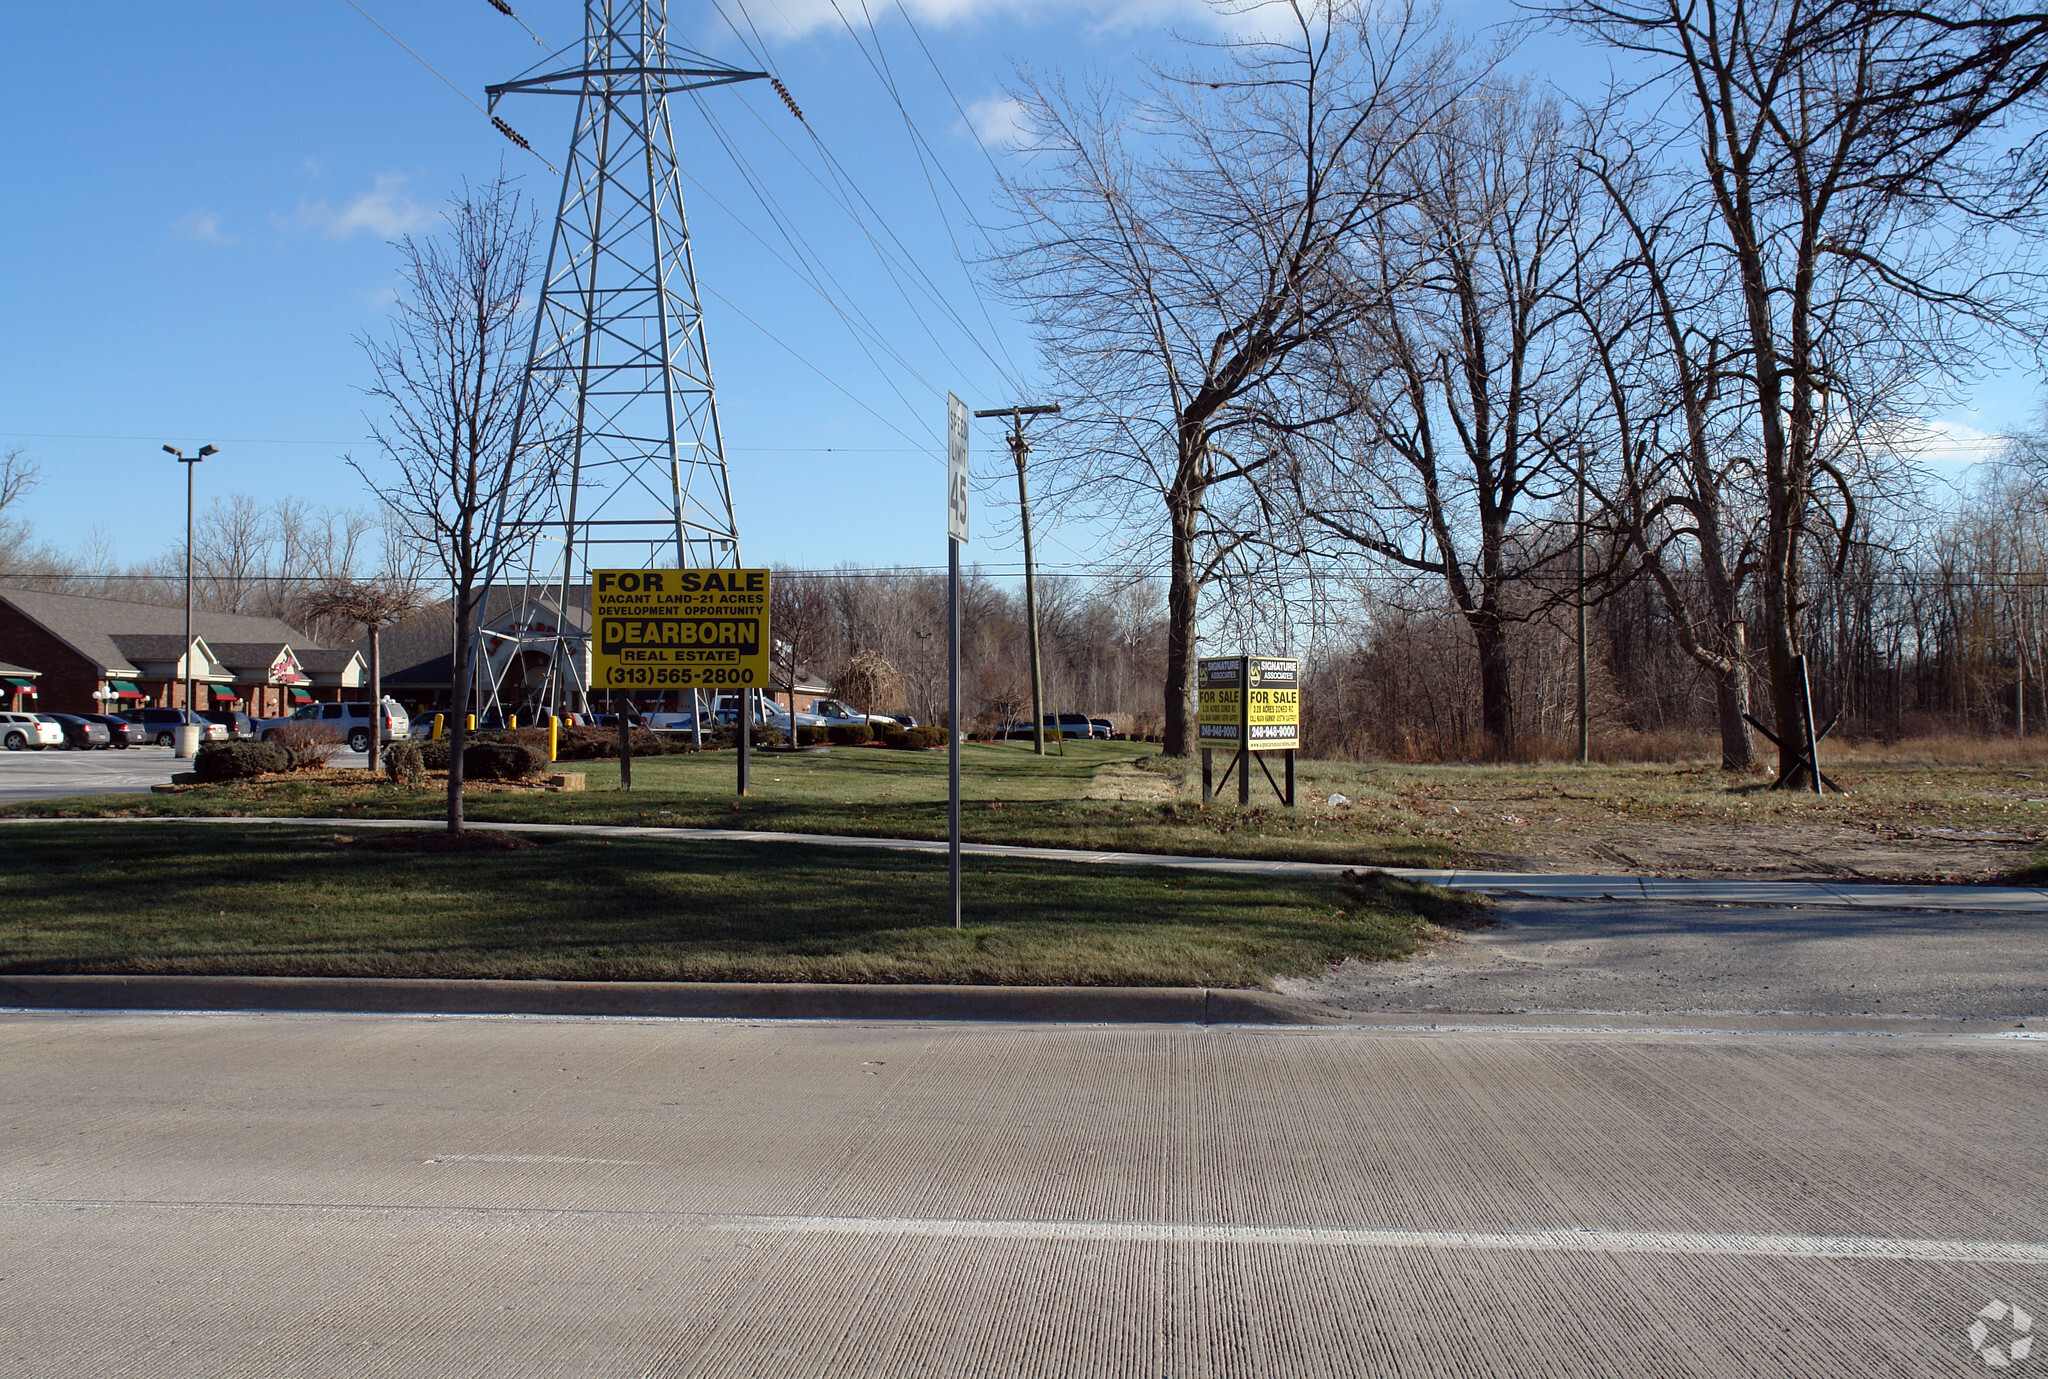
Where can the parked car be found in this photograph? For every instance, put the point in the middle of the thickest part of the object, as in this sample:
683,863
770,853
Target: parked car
834,711
1057,725
29,732
350,721
122,733
81,733
241,727
1104,729
161,725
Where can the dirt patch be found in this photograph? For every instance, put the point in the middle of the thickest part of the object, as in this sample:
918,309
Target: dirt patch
1812,852
419,840
1123,781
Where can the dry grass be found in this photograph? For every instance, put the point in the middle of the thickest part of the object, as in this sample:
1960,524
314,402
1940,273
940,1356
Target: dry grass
1948,749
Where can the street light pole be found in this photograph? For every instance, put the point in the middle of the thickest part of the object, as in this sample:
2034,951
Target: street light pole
189,463
1020,449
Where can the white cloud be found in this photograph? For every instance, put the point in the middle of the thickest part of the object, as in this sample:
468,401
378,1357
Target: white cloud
201,225
385,210
999,122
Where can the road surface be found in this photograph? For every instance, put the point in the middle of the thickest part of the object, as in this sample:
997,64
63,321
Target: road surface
337,1195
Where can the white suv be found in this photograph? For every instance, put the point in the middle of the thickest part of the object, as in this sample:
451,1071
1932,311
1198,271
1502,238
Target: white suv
350,722
25,730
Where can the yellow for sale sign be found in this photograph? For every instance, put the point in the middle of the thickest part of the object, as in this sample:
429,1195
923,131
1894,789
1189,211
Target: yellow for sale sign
1249,701
678,629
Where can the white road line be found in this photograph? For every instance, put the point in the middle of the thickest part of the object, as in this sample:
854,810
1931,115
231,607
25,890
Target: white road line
1584,1240
528,1159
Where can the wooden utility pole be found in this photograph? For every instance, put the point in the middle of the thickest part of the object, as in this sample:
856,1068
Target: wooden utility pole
1020,450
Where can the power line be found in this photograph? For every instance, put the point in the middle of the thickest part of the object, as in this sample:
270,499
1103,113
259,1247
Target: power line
913,449
497,124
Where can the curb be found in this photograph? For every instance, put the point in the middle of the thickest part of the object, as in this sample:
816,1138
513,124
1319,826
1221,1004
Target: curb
668,1000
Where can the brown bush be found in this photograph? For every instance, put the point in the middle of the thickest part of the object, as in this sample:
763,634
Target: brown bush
307,746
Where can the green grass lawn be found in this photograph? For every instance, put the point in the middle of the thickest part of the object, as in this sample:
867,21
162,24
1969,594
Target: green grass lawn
271,900
1097,795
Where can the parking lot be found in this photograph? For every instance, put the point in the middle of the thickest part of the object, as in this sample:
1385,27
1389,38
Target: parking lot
52,773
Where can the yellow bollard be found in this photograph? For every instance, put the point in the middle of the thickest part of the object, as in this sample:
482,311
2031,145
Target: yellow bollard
511,721
438,724
472,723
554,737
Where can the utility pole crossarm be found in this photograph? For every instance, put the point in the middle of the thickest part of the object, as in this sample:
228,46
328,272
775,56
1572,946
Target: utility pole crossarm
664,81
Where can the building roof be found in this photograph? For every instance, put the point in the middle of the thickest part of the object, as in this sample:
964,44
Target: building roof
88,625
151,646
6,669
327,660
246,653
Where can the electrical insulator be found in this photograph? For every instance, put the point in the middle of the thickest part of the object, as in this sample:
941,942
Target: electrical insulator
509,132
787,99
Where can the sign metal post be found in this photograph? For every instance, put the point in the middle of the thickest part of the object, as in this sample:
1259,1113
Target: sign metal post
956,537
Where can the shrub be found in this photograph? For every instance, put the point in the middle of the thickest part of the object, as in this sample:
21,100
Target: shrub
222,761
502,761
917,739
728,735
849,734
810,735
405,765
306,746
434,754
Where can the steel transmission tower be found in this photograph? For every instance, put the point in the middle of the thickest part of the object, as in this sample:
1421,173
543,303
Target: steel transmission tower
618,382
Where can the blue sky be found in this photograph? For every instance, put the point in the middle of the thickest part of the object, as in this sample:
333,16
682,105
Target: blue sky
200,199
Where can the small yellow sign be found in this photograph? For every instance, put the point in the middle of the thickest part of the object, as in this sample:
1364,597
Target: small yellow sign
678,629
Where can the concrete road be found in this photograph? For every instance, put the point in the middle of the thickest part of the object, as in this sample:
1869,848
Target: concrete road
51,774
281,1195
1631,958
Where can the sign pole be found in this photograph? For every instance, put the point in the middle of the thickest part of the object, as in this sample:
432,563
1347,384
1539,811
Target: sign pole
956,537
953,729
625,746
746,734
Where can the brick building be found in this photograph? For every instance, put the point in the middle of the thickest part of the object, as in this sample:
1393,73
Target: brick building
94,655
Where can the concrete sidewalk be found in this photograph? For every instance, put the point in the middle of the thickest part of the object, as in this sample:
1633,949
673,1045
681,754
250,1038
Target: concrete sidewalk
1714,890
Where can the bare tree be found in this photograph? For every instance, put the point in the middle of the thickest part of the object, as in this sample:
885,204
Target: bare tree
1466,377
1673,473
372,605
1178,252
449,374
1847,150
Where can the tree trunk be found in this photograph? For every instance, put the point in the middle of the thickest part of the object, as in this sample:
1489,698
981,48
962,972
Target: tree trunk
376,698
458,705
1183,590
1496,690
1731,702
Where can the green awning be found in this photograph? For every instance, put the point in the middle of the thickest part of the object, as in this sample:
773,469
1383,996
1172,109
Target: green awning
21,682
123,687
299,696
